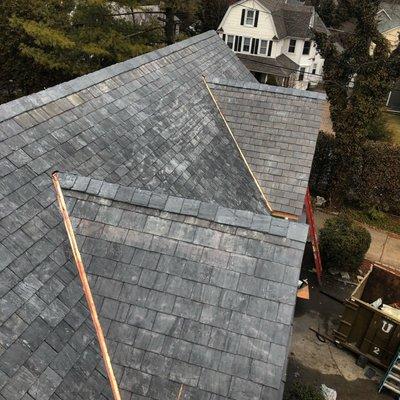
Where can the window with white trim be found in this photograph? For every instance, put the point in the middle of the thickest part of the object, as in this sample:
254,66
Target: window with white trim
263,47
250,17
229,41
246,45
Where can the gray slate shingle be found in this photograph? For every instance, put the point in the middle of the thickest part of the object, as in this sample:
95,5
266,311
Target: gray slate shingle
277,130
157,273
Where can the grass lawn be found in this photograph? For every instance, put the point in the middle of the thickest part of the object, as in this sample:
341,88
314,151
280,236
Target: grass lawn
393,122
376,219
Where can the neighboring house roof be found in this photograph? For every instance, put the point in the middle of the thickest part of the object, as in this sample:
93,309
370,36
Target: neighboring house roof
194,283
280,154
294,20
280,66
388,16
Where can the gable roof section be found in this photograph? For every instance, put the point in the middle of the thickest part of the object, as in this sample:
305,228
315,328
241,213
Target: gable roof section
277,129
188,292
152,127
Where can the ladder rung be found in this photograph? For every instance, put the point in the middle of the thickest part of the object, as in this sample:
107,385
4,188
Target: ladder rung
394,377
396,367
391,387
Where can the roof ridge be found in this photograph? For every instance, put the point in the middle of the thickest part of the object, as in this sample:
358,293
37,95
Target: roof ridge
64,89
266,88
293,230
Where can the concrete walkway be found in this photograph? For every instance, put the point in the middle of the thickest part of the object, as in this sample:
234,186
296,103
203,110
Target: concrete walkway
385,246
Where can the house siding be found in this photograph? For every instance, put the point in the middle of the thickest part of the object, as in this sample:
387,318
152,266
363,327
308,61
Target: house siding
231,22
393,37
307,61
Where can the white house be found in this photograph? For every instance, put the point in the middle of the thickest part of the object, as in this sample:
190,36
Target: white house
274,40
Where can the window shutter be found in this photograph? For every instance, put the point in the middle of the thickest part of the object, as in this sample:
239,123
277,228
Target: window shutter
254,46
270,48
253,43
256,20
243,15
224,37
240,44
236,48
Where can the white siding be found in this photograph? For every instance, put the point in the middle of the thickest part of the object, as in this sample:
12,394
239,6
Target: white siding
393,37
305,60
231,22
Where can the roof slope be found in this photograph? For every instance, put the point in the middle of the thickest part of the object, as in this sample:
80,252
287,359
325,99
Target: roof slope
187,290
389,16
294,19
281,65
153,126
277,129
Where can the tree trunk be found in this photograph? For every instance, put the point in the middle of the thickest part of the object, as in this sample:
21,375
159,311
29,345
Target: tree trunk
169,25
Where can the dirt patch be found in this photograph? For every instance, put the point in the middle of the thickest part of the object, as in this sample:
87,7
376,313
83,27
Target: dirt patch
359,389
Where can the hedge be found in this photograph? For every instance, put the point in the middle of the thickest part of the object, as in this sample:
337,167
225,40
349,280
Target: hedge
375,183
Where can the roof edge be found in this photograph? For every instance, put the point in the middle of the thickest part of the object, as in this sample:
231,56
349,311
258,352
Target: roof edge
267,88
295,231
38,99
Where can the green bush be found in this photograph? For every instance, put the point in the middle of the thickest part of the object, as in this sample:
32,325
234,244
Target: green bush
301,391
343,244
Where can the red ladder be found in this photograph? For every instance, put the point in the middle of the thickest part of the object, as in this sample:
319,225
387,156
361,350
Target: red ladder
314,236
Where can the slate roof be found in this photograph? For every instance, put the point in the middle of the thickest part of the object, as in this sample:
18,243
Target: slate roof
293,19
189,293
194,282
277,129
280,66
148,122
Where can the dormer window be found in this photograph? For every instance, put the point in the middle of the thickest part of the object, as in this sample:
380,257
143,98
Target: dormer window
249,17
